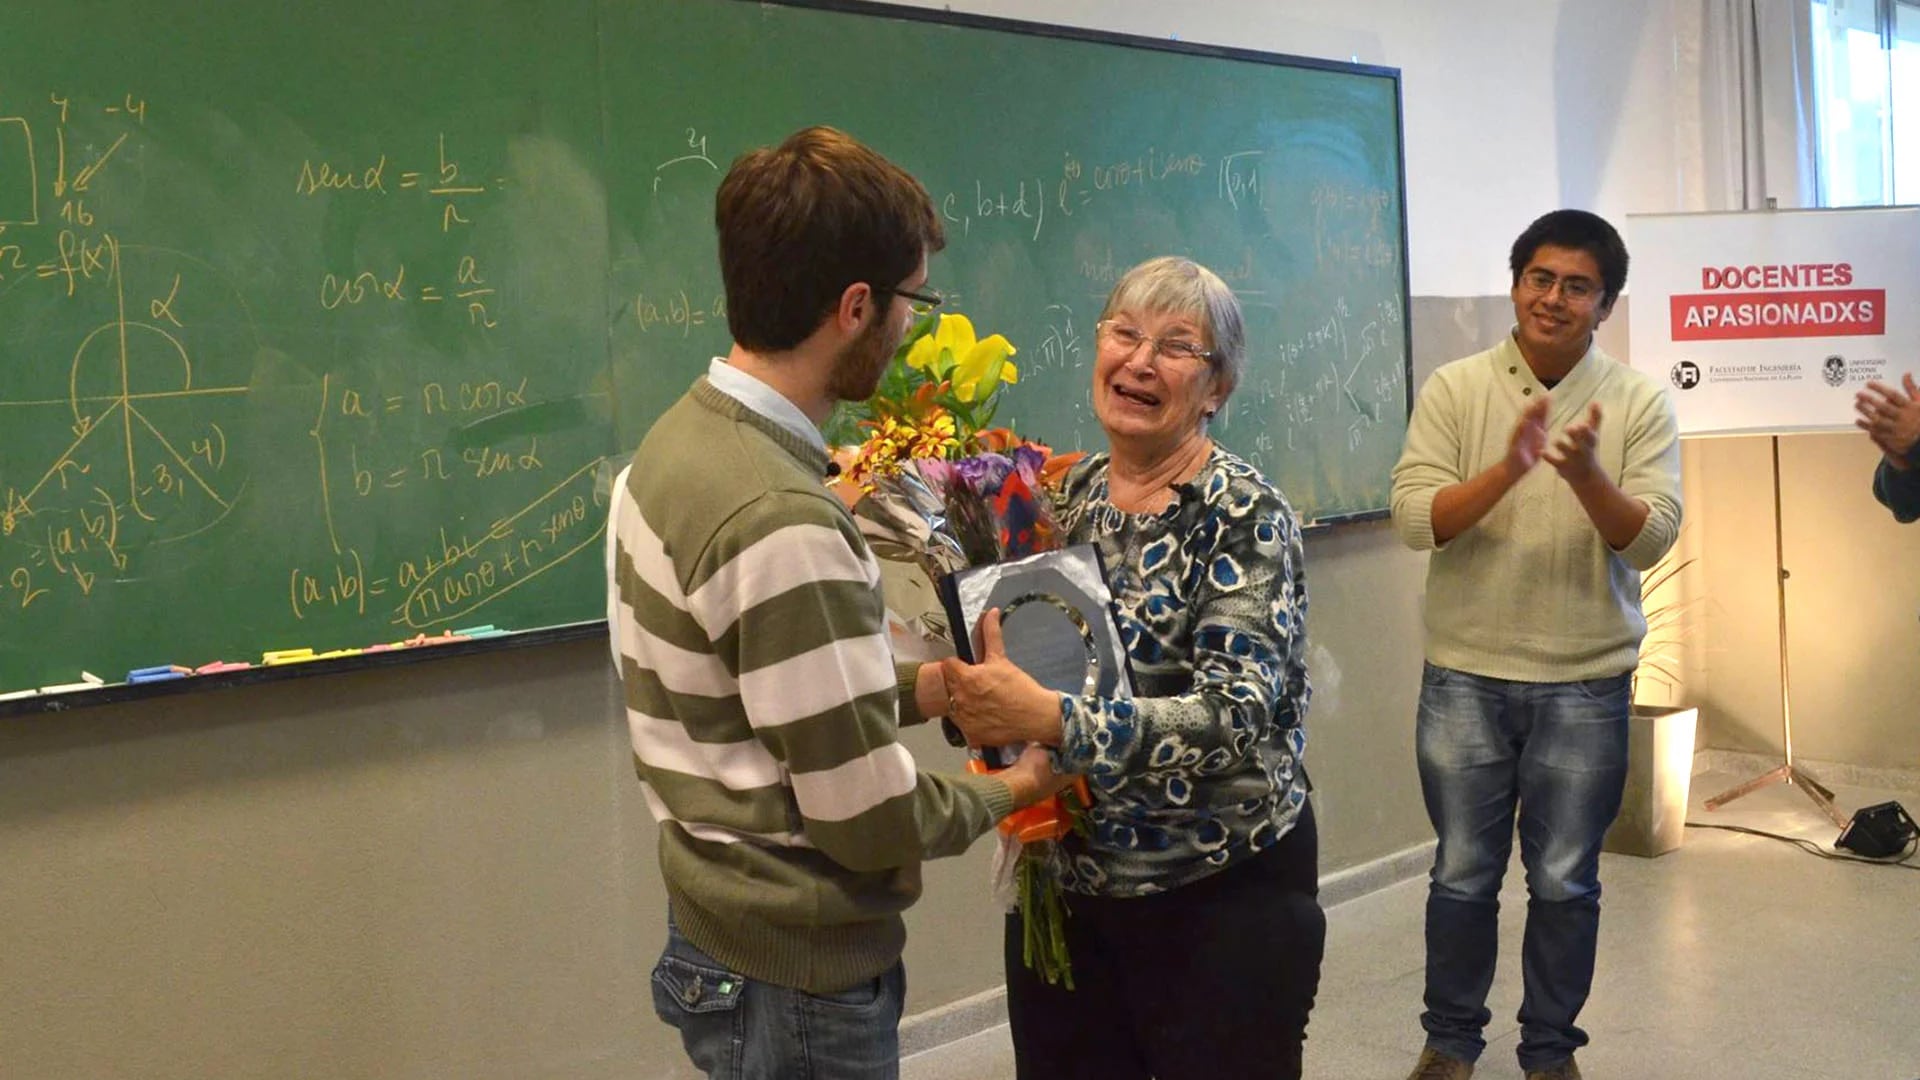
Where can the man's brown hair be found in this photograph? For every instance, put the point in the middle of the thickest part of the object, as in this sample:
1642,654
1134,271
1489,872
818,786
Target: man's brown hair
802,221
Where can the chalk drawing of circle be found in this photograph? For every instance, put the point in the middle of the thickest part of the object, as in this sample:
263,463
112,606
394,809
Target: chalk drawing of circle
154,363
125,366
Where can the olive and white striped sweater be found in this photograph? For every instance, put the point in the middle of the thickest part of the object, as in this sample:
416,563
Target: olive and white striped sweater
761,690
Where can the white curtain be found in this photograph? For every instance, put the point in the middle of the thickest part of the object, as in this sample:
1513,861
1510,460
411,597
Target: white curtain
1754,129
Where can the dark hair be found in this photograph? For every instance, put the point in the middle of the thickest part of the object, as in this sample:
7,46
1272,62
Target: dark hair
1580,231
802,221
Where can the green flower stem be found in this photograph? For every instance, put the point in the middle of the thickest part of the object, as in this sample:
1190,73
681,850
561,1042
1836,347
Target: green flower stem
1043,918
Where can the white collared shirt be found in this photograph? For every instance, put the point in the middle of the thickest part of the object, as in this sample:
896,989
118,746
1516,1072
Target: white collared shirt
763,399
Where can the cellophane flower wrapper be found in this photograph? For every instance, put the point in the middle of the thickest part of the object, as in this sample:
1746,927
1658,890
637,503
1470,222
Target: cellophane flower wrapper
922,513
931,483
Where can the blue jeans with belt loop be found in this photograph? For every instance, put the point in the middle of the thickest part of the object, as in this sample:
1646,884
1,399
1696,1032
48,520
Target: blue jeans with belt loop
1556,753
736,1028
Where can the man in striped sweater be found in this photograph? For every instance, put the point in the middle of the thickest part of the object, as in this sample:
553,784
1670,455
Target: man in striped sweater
748,627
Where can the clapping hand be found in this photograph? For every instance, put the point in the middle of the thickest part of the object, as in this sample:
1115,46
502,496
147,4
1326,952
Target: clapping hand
1529,440
1891,419
1573,455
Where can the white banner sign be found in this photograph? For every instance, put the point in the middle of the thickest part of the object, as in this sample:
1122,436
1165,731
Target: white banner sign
1770,321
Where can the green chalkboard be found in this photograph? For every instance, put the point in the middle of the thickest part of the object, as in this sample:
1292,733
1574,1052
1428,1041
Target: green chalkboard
327,325
302,327
1059,159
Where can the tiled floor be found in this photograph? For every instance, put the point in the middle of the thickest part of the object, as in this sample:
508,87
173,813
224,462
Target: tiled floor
1734,956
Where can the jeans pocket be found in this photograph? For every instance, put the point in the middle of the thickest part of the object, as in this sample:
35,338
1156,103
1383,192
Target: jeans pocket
858,996
854,1034
1607,691
1434,675
703,1004
682,986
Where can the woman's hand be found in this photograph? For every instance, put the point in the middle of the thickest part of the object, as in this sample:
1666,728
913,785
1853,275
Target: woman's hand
995,703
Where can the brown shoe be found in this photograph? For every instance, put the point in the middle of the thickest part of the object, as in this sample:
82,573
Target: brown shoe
1566,1070
1434,1065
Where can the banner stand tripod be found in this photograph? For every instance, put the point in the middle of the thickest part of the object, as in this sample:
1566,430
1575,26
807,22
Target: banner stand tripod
1787,772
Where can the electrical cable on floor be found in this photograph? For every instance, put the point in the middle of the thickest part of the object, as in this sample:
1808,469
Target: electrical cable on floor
1812,848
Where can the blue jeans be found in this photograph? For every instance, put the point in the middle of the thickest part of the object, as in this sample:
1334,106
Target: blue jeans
1558,751
736,1028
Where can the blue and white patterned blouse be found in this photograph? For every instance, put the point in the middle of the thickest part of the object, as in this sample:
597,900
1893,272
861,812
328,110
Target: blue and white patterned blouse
1202,768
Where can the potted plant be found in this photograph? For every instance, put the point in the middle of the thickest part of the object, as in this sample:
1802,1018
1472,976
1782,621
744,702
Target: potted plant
1660,736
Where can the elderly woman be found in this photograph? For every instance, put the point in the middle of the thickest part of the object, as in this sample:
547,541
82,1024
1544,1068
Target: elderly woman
1194,928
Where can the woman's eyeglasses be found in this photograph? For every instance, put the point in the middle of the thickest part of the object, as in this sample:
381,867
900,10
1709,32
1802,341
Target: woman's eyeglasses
1126,338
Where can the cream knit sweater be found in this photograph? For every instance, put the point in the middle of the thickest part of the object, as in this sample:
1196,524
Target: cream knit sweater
1532,592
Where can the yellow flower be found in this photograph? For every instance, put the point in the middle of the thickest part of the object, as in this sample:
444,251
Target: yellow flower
936,437
882,453
925,353
978,366
953,350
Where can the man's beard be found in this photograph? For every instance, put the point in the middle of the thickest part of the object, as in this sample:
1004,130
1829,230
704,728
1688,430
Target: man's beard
858,368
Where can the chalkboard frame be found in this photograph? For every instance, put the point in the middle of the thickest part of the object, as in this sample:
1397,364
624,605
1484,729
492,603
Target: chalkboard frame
968,20
116,693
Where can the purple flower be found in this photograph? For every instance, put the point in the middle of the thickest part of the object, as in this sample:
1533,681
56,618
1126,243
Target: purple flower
985,472
1028,460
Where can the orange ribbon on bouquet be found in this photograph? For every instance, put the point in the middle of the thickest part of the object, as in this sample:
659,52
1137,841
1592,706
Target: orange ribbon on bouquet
1048,819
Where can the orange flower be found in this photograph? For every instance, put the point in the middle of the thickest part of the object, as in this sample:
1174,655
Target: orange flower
1056,467
996,440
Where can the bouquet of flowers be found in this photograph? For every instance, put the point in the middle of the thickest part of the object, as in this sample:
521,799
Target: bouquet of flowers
932,483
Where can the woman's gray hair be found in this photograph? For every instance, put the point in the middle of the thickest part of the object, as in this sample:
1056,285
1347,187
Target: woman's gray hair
1174,285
